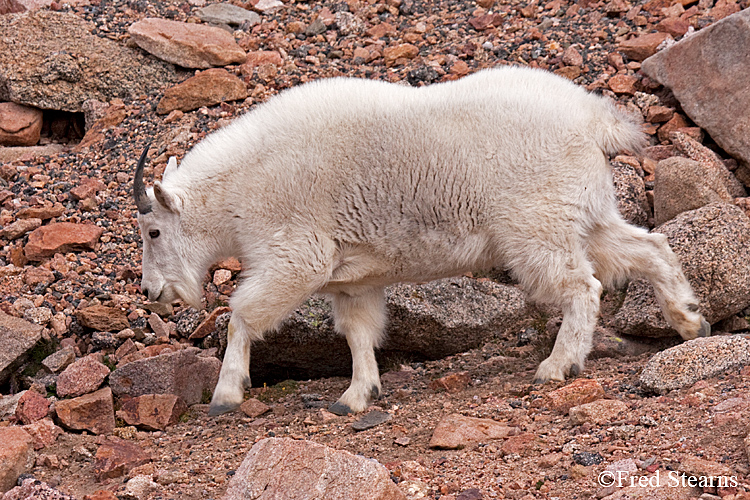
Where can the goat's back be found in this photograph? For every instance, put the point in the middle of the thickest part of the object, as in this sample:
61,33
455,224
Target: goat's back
447,168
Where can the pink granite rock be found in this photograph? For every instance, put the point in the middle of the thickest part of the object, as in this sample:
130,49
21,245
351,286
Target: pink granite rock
16,447
44,432
103,318
153,411
457,431
290,469
641,47
578,392
708,73
182,373
82,377
186,44
19,125
207,88
61,237
116,457
32,407
93,412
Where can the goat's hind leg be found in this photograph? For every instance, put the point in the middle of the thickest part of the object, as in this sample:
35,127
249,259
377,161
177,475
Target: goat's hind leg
556,271
621,251
361,317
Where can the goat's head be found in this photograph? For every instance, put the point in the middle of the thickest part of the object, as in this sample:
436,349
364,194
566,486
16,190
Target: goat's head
168,264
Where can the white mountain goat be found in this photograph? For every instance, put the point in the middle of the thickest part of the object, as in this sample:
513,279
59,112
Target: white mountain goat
344,186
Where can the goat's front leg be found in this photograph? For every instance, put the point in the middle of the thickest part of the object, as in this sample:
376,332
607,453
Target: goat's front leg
259,304
361,318
234,376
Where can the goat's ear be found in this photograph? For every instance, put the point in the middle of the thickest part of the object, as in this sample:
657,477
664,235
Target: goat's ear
171,166
166,199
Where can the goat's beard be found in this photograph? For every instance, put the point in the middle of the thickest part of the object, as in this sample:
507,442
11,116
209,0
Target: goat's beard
190,293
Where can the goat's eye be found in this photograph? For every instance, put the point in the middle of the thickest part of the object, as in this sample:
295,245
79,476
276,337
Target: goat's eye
154,233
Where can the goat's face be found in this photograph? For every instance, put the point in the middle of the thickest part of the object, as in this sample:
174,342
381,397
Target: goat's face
167,267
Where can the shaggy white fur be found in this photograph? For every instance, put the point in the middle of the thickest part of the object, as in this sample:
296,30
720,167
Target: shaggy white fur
344,186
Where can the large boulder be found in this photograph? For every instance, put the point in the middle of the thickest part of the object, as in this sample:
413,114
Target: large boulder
713,245
451,315
681,184
708,73
297,470
427,321
685,364
50,60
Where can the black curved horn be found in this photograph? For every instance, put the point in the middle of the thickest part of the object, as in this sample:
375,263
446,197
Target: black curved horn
139,189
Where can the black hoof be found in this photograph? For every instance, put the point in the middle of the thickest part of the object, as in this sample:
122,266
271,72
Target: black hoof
705,330
339,409
374,392
539,381
215,410
575,370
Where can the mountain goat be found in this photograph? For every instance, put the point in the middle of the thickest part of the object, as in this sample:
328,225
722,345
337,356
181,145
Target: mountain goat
343,186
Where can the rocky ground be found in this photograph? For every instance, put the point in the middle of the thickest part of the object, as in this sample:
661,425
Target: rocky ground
105,395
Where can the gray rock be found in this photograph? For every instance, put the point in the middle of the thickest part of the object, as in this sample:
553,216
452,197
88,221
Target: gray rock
38,315
188,320
227,13
681,184
430,321
708,73
182,373
295,470
631,194
59,360
689,362
50,60
371,419
139,488
8,404
17,337
451,315
315,28
713,245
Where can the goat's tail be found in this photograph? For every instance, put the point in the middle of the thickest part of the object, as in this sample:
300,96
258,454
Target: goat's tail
615,130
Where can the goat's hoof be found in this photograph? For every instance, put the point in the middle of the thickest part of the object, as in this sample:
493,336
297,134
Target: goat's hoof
539,381
374,392
339,409
705,330
218,409
575,370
